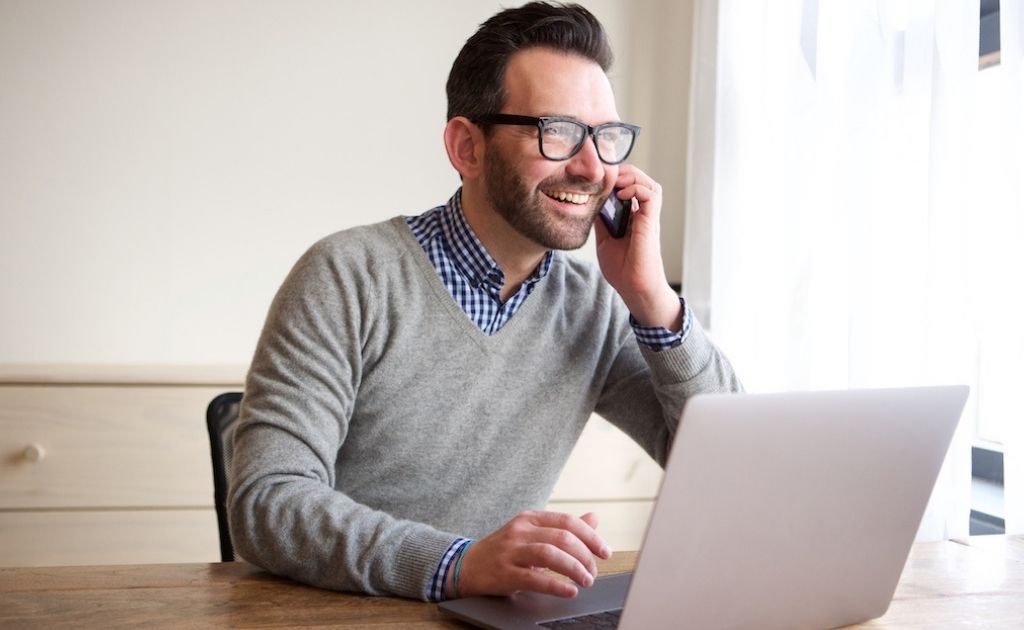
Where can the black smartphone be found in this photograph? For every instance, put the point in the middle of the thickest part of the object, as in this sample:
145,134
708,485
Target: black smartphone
615,214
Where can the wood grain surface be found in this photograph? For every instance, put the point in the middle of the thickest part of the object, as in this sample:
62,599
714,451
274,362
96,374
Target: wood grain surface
971,583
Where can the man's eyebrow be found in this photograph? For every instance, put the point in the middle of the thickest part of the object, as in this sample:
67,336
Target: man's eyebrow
579,120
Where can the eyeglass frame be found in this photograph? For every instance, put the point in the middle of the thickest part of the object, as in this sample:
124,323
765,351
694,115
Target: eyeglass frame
540,121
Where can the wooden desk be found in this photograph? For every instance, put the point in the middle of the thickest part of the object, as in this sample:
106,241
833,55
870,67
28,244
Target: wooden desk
976,582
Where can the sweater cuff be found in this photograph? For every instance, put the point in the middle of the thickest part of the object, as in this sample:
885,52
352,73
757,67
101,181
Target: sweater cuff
417,561
683,362
659,338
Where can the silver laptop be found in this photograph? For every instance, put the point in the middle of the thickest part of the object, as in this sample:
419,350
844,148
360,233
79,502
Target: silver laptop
776,511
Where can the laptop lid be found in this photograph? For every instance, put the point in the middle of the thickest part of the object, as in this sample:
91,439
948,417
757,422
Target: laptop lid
791,510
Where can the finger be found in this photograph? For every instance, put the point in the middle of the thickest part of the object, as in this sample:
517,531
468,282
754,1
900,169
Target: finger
541,582
590,519
646,202
628,174
550,557
633,176
570,544
582,530
641,192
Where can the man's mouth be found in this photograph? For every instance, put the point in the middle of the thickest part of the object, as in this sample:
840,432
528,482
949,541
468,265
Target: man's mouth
578,199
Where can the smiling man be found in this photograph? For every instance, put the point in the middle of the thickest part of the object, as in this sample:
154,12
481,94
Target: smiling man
420,383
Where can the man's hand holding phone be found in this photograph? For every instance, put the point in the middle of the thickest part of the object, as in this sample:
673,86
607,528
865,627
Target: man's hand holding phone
632,264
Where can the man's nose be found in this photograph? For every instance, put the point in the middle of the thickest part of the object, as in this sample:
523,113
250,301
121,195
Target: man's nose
586,163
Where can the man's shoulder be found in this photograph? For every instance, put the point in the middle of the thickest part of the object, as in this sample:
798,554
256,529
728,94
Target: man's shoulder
355,256
383,238
362,246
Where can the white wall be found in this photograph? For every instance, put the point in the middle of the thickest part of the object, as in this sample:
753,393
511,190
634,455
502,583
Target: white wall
163,163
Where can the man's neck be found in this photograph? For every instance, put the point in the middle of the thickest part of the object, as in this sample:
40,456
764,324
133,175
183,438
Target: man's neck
517,255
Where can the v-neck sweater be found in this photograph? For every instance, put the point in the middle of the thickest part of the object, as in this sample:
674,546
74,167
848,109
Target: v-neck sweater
379,423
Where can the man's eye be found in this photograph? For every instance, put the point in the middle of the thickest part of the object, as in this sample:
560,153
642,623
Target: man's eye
611,136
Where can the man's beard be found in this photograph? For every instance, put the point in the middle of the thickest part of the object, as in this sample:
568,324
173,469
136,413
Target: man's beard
523,208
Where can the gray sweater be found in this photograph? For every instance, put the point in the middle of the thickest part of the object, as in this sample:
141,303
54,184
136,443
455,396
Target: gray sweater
379,423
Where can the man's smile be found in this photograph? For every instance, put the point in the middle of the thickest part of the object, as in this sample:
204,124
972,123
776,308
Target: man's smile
574,198
573,202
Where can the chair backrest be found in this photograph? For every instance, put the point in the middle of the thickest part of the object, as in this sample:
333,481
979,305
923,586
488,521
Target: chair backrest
221,418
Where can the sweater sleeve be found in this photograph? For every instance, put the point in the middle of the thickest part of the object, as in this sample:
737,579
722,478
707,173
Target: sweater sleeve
284,511
647,389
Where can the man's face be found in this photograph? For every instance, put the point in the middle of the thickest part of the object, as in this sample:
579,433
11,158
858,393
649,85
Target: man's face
553,204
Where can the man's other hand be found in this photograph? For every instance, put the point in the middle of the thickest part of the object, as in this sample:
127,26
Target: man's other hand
514,557
633,264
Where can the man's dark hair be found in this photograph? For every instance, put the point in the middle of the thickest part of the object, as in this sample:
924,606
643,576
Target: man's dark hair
476,81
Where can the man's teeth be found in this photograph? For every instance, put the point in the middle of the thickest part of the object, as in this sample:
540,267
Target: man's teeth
571,197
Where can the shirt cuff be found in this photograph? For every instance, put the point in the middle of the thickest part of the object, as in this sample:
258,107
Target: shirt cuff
441,576
658,338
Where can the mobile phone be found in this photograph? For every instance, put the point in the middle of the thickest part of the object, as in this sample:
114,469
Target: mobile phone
615,214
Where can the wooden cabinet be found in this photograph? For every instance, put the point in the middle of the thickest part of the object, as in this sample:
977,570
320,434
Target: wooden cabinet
105,467
110,466
97,536
105,446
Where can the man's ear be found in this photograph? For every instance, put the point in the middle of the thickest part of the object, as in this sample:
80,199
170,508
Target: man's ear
464,142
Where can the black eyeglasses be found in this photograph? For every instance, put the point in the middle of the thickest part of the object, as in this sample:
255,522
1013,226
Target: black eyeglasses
561,138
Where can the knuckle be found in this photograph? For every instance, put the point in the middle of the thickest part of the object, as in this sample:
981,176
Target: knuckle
516,523
563,521
547,554
564,539
535,581
582,572
518,528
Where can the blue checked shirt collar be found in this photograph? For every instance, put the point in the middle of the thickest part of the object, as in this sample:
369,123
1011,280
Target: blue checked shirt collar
469,254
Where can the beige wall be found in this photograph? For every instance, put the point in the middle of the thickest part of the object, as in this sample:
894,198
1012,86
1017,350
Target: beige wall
162,164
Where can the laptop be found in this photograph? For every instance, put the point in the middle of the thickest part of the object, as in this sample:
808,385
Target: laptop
787,511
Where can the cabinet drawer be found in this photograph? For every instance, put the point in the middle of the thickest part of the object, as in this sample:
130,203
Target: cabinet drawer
104,446
33,539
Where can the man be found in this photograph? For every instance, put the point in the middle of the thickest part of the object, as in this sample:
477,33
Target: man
420,383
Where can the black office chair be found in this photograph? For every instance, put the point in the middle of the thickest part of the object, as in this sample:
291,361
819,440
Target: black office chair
221,417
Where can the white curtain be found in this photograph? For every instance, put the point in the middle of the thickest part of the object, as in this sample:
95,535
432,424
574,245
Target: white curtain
1002,401
834,178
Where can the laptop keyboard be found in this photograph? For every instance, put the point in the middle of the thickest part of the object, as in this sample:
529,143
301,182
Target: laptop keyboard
597,621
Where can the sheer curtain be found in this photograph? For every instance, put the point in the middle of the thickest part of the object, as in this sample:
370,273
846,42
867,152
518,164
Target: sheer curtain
1001,250
832,238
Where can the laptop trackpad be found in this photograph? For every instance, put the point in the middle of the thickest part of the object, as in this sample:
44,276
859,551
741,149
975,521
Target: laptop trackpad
527,610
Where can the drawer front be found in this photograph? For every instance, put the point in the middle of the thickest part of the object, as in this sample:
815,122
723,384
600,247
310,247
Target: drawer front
104,446
34,539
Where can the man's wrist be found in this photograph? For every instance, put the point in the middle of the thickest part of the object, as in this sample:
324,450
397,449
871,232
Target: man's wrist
456,586
661,309
659,338
441,587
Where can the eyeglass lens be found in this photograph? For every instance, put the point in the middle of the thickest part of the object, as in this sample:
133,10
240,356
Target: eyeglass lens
560,139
